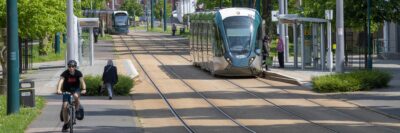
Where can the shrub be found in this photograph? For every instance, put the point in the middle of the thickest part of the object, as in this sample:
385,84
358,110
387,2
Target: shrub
123,87
92,85
353,81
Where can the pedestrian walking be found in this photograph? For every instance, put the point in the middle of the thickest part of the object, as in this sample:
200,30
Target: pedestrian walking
280,49
173,29
110,77
96,34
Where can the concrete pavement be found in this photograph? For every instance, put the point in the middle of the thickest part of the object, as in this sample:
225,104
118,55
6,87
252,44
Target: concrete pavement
101,115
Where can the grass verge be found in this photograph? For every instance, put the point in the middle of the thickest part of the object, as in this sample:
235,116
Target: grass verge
106,37
161,30
17,123
359,80
51,56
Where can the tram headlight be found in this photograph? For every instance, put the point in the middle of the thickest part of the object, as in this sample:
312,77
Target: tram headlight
229,60
251,60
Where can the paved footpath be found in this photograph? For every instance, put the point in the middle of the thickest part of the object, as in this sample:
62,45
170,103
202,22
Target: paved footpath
101,115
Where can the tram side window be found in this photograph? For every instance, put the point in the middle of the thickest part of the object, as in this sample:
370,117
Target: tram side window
259,38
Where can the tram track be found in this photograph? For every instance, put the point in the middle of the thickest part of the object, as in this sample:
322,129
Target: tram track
176,114
290,93
216,107
173,111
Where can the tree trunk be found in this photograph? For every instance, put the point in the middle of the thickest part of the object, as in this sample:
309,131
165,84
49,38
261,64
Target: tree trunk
3,62
266,15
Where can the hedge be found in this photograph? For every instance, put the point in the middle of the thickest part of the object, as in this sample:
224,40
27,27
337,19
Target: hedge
354,81
123,87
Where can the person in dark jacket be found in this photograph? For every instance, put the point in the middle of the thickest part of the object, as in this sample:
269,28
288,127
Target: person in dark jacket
110,77
173,29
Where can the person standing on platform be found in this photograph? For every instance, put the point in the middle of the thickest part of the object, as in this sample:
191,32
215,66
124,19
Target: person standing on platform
110,77
280,49
173,29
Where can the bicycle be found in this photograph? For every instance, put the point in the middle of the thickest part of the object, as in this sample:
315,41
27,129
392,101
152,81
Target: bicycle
71,111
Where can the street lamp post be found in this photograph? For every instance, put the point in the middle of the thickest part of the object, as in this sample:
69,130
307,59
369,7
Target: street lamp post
12,58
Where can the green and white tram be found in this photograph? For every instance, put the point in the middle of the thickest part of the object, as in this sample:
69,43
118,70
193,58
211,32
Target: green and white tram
227,42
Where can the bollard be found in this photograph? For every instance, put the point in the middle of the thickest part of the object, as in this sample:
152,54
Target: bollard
57,43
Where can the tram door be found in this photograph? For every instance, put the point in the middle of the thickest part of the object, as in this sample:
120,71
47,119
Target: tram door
209,46
201,45
198,42
192,41
205,50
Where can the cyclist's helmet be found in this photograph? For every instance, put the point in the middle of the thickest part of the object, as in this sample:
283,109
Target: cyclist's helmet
72,63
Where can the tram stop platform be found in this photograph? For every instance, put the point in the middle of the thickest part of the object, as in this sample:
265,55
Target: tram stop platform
385,100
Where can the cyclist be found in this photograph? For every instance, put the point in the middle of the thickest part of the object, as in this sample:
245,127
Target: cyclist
70,81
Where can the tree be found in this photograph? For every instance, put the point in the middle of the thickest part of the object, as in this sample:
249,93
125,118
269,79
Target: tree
356,11
94,4
159,8
37,20
133,7
211,4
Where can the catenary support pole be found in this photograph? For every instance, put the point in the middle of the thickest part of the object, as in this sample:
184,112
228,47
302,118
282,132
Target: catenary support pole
369,59
12,58
151,14
295,43
165,15
91,39
339,36
70,20
322,46
302,48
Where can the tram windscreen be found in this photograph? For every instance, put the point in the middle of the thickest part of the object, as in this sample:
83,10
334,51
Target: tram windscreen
121,19
238,31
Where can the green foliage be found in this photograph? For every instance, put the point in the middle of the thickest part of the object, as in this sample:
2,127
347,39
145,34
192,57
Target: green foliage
355,11
353,81
92,84
123,87
17,123
211,4
159,9
37,19
133,7
94,4
51,56
106,37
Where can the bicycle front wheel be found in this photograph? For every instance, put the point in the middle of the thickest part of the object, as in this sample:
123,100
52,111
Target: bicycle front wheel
71,119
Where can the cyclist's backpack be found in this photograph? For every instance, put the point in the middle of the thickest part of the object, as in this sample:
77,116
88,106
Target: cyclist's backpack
80,114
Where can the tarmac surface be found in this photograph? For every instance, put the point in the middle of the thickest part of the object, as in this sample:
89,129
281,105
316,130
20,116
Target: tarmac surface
101,115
